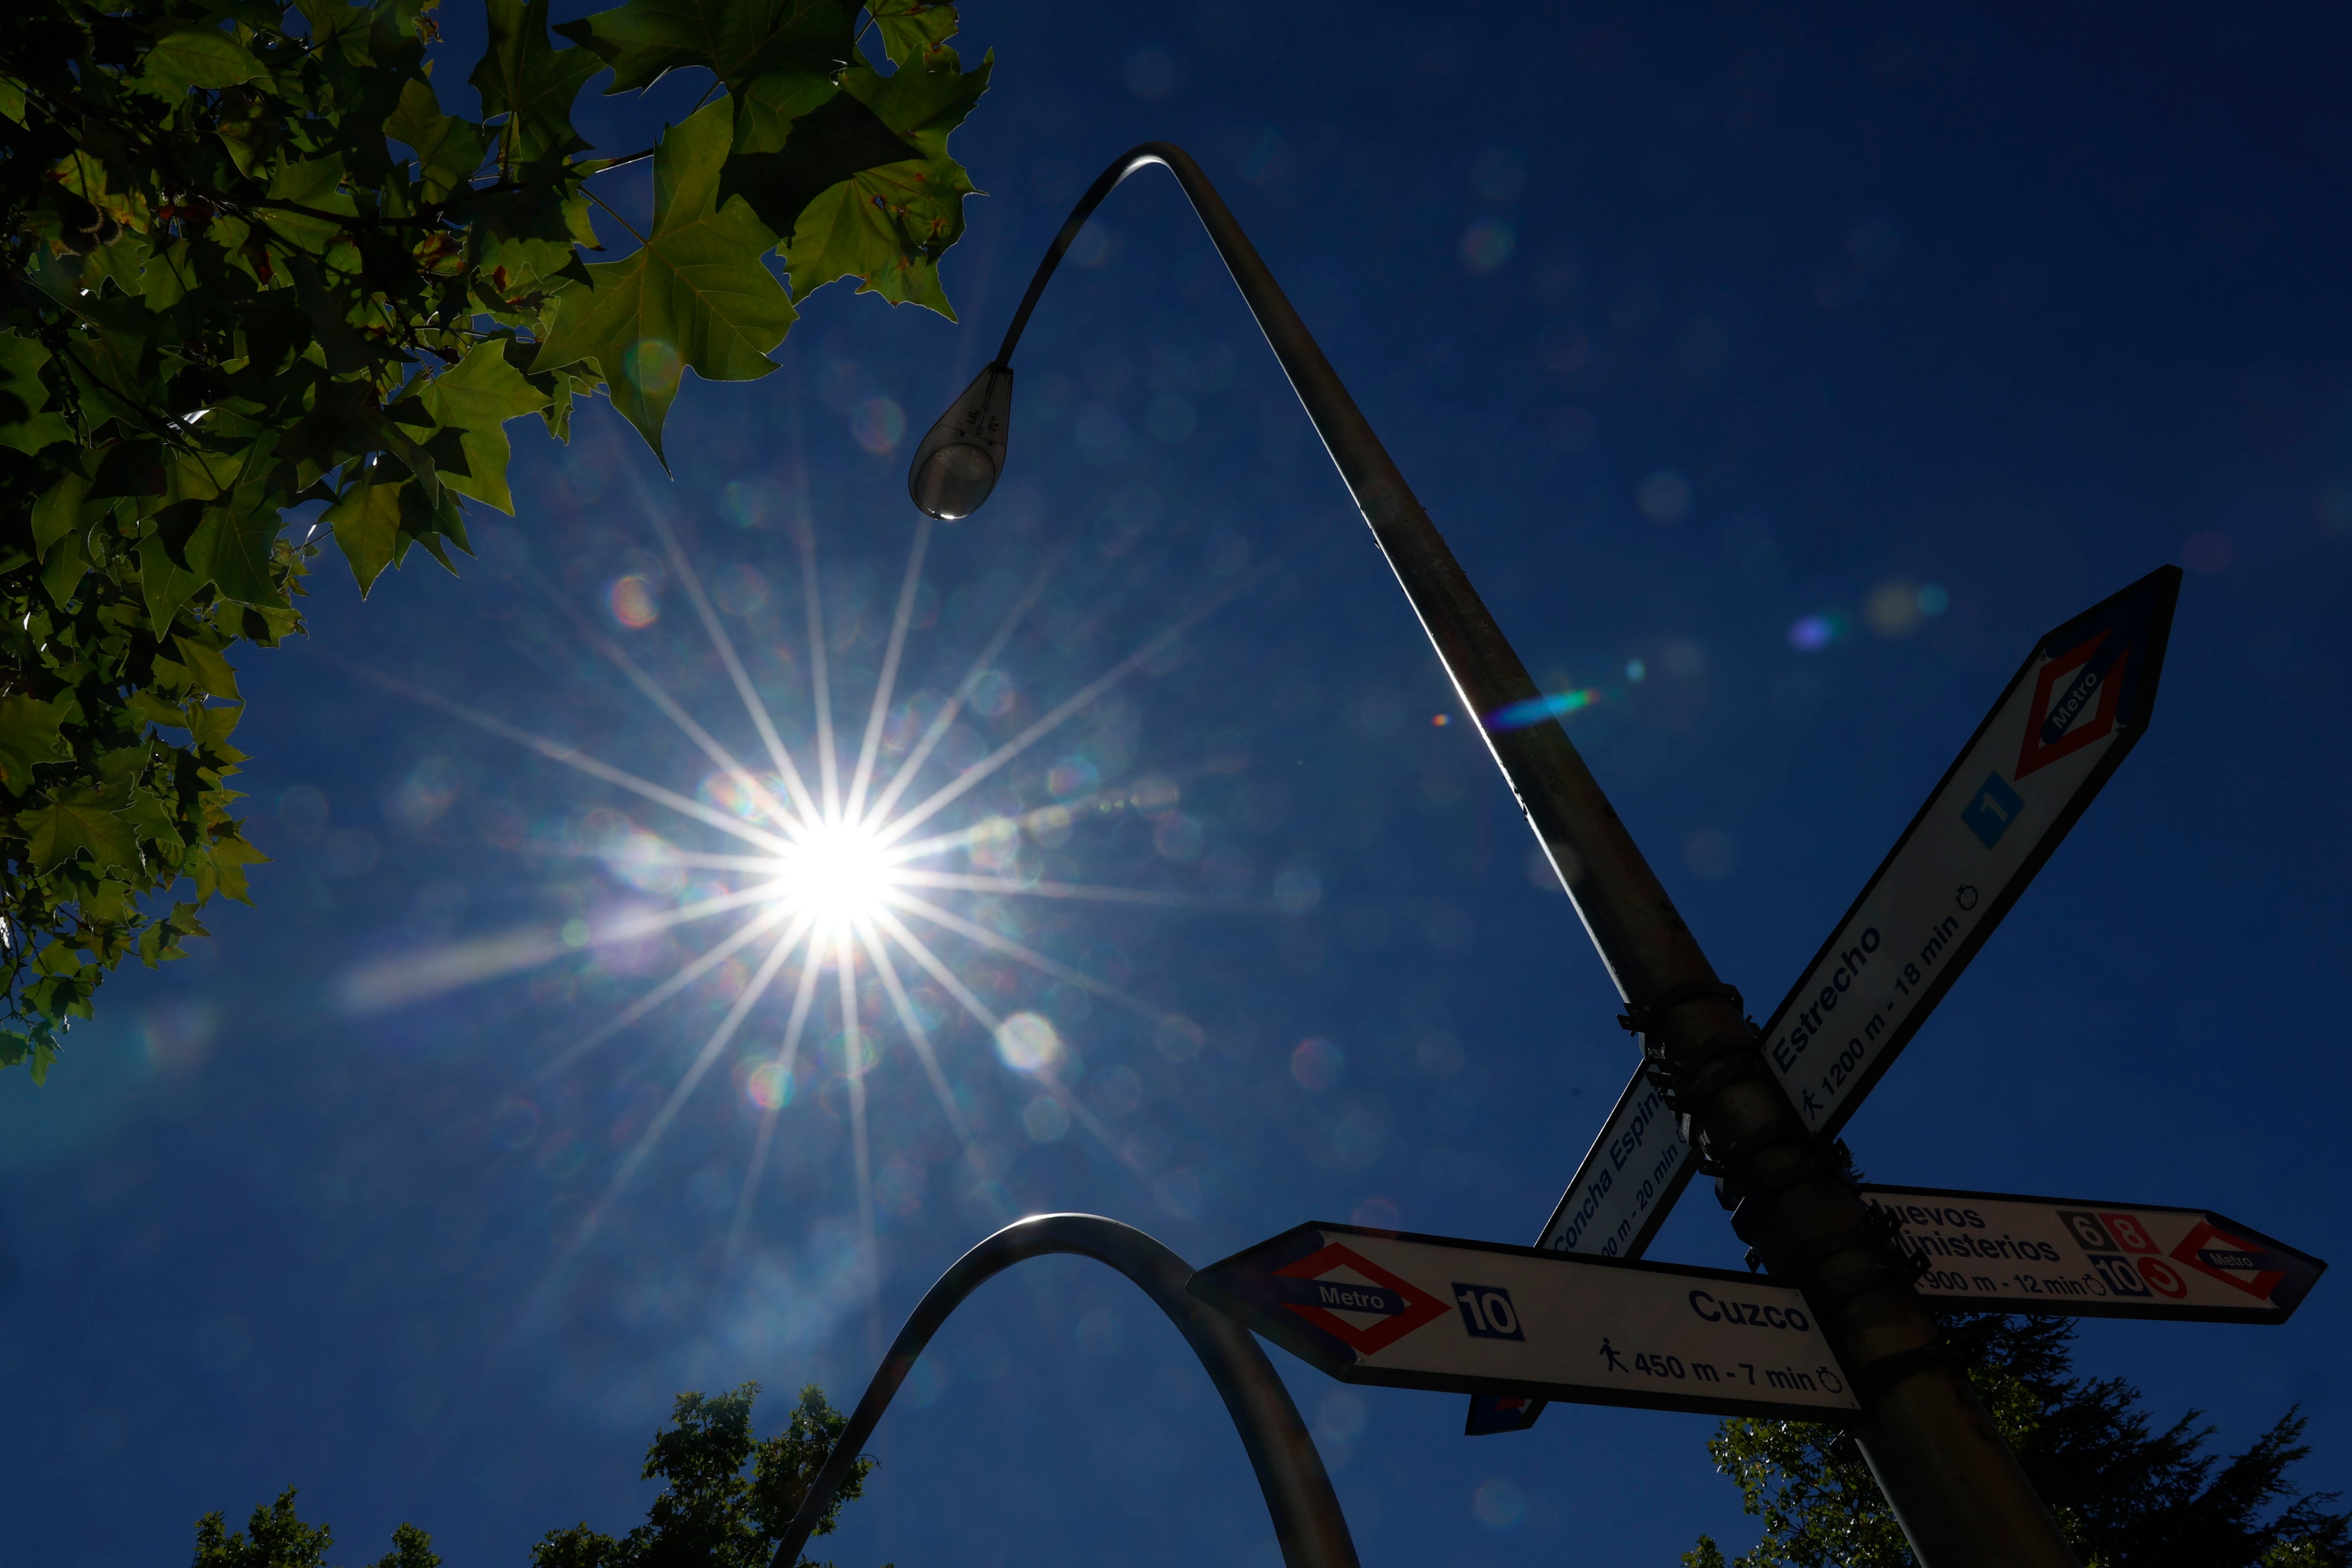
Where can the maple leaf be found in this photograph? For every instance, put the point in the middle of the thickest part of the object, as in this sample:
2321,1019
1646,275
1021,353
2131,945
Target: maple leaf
736,40
696,296
477,399
27,422
194,58
79,822
787,152
28,735
889,225
526,79
448,149
911,26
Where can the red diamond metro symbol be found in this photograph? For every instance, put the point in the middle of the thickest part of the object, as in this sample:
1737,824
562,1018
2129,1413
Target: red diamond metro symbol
2055,725
1420,1310
2192,1252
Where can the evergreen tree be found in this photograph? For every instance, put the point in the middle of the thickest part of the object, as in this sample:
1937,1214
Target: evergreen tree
2126,1494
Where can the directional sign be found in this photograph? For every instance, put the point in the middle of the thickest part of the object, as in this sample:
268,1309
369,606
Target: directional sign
1473,1317
1998,1252
2075,708
1629,1178
2064,723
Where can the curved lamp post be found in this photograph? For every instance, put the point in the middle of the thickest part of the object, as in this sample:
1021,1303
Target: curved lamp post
1955,1487
1307,1518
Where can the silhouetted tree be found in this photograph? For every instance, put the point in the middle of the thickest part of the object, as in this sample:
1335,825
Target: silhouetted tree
276,1537
2126,1494
711,1512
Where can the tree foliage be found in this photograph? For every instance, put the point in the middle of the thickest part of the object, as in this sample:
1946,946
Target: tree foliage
2124,1494
276,1537
709,1514
252,263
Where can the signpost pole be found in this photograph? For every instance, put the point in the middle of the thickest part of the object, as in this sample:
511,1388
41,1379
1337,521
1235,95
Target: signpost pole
1956,1488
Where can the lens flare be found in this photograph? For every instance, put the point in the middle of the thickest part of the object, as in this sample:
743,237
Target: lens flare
819,866
1535,710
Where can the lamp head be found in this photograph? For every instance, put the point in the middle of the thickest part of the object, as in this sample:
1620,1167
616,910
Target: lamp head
959,461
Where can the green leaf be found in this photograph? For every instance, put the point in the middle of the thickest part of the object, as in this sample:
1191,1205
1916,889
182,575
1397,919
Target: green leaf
525,240
343,422
911,26
695,297
165,281
924,102
889,225
234,549
163,584
477,399
230,854
210,729
62,568
197,57
366,521
81,822
234,542
533,83
25,421
733,39
770,107
29,735
212,670
149,709
316,184
12,104
448,149
60,511
782,164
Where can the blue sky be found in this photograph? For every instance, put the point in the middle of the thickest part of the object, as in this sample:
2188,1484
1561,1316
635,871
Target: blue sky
1723,342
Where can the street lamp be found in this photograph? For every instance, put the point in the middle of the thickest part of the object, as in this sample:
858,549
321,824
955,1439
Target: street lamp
1954,1485
959,461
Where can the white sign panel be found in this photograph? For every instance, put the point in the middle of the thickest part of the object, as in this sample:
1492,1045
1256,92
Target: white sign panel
1629,1178
2066,721
2002,1253
1424,1311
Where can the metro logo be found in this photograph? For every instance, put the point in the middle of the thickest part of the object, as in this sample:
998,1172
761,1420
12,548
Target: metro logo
1304,1291
2056,724
2207,1245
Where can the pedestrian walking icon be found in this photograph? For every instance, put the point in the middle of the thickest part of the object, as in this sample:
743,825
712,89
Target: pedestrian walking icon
1609,1352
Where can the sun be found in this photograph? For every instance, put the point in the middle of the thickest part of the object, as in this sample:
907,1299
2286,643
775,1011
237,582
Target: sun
839,874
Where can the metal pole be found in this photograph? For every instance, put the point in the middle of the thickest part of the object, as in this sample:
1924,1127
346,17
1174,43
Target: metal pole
1307,1518
1955,1487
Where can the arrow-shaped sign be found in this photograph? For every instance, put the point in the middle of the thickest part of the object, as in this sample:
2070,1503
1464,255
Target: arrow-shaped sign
1997,1252
1473,1317
2069,718
1629,1178
2066,721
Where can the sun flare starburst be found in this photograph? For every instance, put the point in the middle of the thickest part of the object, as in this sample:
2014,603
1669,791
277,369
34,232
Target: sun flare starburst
848,879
